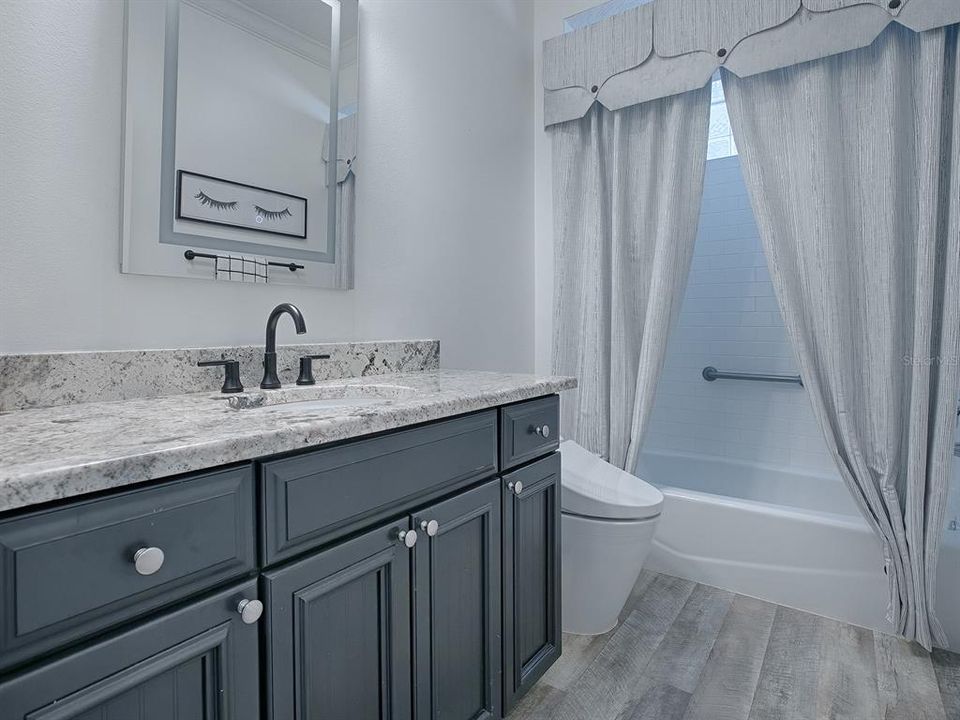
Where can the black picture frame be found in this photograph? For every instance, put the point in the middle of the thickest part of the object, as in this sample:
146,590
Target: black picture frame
180,216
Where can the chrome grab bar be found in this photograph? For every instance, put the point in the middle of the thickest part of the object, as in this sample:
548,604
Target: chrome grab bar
710,374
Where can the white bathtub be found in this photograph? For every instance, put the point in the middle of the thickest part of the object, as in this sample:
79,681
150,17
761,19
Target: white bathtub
790,538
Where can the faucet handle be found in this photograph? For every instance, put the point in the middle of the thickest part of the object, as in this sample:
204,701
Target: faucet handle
306,368
231,377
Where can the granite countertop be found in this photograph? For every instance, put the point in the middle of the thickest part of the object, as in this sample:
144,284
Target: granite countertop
60,452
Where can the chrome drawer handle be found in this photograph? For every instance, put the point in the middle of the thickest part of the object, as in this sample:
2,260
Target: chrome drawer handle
543,431
517,486
147,560
407,537
430,527
250,610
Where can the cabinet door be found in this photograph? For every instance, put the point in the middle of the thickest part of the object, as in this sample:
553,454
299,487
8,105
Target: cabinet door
531,575
196,663
338,632
457,607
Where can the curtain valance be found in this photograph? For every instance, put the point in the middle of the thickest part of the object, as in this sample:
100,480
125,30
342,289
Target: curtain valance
671,46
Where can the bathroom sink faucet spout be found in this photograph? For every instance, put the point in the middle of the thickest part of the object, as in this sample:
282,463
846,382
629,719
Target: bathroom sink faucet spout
270,380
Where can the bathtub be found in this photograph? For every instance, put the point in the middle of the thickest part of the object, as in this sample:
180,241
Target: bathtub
792,538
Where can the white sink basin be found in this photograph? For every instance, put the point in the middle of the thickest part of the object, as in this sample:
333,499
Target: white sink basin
319,397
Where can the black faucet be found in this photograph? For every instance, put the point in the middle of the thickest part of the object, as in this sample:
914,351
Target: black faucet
270,380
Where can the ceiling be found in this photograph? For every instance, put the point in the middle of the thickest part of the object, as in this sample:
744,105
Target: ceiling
308,17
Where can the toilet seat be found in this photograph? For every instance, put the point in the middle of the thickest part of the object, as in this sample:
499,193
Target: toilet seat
593,488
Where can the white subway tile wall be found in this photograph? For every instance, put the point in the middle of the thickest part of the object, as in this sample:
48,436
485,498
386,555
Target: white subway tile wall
730,319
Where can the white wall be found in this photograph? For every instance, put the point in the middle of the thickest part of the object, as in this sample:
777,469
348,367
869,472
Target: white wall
445,183
60,284
445,215
730,319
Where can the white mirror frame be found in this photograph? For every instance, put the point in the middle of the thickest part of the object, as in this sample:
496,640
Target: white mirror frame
150,243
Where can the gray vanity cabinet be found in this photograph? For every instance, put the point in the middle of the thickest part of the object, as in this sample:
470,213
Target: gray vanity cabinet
200,662
338,632
457,607
411,575
531,575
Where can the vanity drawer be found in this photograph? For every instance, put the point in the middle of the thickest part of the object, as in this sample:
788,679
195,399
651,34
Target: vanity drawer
528,430
71,571
311,499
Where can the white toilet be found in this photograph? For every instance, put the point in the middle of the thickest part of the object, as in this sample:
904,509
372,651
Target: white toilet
609,517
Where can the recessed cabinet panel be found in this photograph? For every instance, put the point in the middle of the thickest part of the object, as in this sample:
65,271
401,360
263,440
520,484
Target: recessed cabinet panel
528,430
457,607
339,632
69,572
458,613
197,663
531,572
317,497
343,608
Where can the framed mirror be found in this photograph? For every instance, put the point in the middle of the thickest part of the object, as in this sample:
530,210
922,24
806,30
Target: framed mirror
240,135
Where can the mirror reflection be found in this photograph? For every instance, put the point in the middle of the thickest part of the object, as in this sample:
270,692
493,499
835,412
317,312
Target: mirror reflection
240,151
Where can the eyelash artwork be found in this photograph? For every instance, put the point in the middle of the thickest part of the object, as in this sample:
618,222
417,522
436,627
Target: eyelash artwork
215,204
272,214
262,213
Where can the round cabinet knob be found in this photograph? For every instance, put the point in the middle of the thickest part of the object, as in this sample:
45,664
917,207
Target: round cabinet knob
407,537
431,527
543,431
147,560
517,486
250,610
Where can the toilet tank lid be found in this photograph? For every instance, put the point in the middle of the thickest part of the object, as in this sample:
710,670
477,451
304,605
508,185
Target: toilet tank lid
595,488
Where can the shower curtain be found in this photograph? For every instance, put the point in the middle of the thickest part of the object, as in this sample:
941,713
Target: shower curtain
626,197
853,168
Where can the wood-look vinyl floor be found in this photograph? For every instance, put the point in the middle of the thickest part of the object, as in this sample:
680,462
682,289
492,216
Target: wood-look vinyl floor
686,651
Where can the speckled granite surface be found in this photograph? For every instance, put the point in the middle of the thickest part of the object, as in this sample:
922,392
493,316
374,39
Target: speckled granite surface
46,380
60,452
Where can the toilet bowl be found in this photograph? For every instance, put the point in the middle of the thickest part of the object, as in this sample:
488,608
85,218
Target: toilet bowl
609,517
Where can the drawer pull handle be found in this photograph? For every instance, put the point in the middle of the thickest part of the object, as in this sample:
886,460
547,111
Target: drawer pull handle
250,610
543,431
430,527
517,486
147,560
407,537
